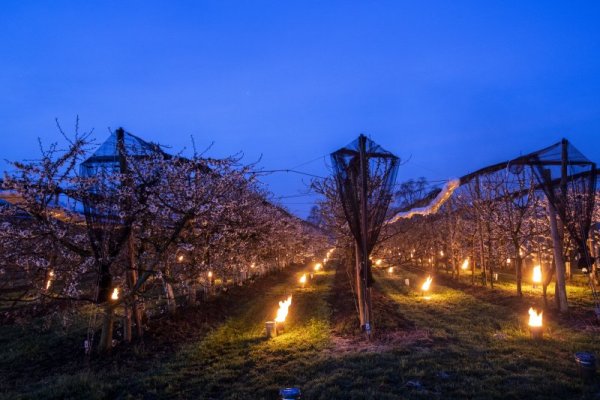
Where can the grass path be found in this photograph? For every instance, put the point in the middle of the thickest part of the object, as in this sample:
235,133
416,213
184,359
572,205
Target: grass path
480,349
236,361
460,343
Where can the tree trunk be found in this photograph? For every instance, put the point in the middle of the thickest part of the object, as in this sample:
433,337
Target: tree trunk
359,286
561,290
490,264
192,292
132,278
519,274
127,324
106,337
481,252
169,293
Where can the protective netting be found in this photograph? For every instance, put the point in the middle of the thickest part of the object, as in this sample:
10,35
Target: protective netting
104,205
380,171
567,178
561,171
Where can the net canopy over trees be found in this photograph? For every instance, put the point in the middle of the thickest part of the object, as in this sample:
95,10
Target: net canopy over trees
134,229
364,174
503,211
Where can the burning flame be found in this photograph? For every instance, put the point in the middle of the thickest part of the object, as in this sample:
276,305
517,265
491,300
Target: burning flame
390,270
535,318
303,279
537,274
441,253
378,262
427,284
115,294
282,312
49,281
210,274
318,266
465,264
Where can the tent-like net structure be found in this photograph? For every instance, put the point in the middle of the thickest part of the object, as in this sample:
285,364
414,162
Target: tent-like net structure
103,205
567,178
561,171
381,169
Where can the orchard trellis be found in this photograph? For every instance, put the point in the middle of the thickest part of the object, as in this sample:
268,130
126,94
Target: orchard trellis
364,174
567,179
156,226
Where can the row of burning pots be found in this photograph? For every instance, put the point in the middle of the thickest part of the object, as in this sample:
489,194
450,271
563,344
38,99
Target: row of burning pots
277,326
536,327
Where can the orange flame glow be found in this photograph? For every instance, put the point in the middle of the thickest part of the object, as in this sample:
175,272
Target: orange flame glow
427,284
465,264
282,312
537,274
535,318
115,294
303,280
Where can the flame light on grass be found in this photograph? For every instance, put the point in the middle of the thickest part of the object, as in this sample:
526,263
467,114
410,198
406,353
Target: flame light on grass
302,280
537,275
535,323
282,312
427,284
50,278
465,265
278,324
425,287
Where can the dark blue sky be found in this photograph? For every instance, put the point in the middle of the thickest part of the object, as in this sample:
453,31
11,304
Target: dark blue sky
452,85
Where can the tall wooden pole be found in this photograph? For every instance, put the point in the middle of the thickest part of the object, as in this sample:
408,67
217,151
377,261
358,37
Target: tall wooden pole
359,284
362,141
557,242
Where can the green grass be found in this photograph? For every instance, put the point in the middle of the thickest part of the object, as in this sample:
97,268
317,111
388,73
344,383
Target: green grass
462,342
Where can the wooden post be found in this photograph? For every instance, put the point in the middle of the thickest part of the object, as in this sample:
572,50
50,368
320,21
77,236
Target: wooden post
359,286
557,242
106,336
362,141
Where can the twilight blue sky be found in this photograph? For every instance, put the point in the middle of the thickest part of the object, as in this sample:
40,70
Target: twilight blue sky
452,85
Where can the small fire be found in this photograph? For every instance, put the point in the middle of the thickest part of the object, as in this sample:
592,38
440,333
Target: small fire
115,294
378,262
535,318
390,270
180,258
318,266
537,274
427,284
253,265
49,281
465,264
441,253
282,312
210,274
508,260
303,280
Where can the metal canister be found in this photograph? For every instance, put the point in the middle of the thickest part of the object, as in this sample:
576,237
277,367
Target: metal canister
292,393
